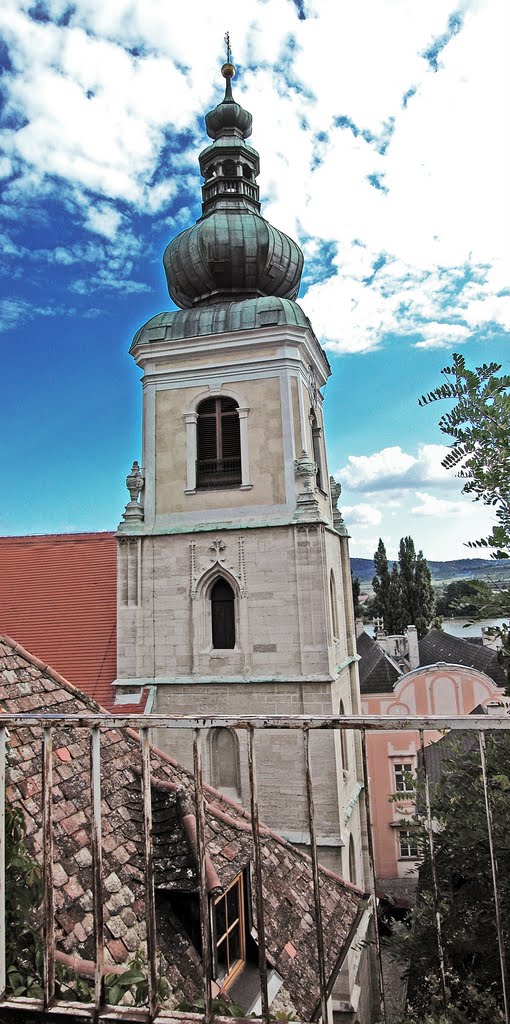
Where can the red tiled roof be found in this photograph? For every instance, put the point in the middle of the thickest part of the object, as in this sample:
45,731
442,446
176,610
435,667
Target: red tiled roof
58,597
287,879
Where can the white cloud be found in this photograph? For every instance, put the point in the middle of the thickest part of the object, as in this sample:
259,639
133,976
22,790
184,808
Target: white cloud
392,468
16,311
361,515
440,508
103,219
410,193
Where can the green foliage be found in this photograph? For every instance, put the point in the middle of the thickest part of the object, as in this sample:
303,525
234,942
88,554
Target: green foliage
221,1007
479,423
404,596
355,596
465,889
23,941
466,1002
462,597
134,981
23,897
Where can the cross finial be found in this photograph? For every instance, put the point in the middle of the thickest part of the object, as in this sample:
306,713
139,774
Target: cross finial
227,45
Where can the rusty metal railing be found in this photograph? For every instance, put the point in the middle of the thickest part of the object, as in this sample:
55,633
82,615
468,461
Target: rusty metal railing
94,725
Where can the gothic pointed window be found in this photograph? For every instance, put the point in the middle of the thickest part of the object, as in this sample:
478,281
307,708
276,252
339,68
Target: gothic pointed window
218,443
223,615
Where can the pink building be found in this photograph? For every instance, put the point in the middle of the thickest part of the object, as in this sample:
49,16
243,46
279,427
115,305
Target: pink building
437,689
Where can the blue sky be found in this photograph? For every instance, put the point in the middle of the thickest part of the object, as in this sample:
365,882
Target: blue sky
383,134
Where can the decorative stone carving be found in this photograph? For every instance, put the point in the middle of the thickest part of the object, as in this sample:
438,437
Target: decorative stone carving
307,501
134,484
218,547
335,490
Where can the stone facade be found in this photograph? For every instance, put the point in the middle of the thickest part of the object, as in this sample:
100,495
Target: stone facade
276,537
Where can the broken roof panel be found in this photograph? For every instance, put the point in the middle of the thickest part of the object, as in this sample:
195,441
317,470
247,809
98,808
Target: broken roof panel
26,685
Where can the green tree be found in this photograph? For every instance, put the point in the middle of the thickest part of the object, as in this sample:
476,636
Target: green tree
479,424
356,586
465,889
404,596
395,618
381,583
461,597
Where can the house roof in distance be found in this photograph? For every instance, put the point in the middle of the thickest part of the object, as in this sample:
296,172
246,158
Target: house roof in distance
439,646
58,597
377,672
28,686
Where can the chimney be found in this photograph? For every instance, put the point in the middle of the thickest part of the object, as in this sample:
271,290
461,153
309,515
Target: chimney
414,651
359,627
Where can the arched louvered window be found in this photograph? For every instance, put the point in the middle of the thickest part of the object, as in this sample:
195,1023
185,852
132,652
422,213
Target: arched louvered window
223,615
218,443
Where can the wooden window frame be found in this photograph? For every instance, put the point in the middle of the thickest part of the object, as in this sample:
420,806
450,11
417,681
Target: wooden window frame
234,969
410,842
403,786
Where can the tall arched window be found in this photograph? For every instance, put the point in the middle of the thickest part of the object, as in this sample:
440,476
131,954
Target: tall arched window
223,615
334,604
352,862
343,741
218,443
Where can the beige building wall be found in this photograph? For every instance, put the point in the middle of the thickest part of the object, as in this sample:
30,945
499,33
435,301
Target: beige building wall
274,541
266,450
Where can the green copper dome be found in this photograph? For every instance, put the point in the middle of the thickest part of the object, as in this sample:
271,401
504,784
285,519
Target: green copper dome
231,252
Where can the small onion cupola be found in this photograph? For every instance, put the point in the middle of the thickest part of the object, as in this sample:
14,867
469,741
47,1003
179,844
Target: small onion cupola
231,253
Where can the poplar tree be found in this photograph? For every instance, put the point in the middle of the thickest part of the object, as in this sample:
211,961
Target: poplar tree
381,583
405,596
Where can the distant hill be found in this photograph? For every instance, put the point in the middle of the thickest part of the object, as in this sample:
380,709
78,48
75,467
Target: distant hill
444,572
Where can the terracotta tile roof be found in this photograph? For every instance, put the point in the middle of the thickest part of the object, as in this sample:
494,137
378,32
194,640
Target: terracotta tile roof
58,597
377,673
26,685
438,646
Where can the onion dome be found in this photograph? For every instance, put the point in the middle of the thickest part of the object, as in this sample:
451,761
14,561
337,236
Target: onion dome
228,117
231,252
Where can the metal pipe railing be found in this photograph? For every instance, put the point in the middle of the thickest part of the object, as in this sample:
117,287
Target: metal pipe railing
94,723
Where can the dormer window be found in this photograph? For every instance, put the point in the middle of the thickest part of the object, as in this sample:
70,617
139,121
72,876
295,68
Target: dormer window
229,933
218,443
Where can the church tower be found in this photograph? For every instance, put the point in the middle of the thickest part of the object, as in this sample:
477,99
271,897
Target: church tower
234,578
